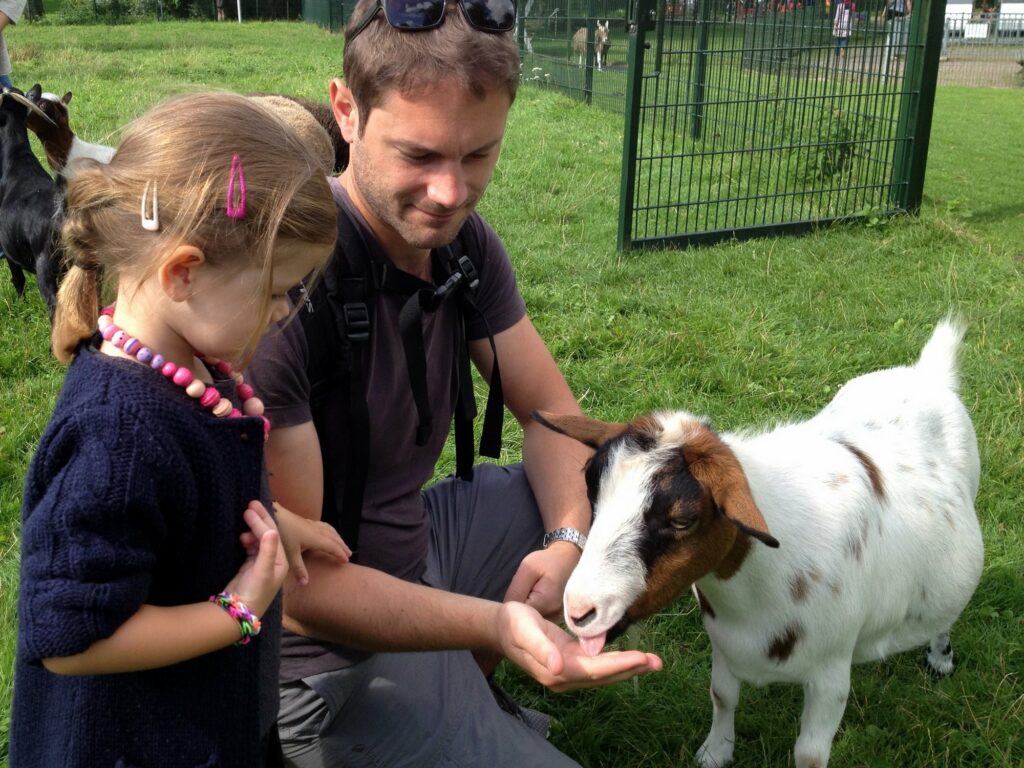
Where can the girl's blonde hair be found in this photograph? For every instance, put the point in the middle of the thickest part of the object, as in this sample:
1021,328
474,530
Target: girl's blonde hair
184,148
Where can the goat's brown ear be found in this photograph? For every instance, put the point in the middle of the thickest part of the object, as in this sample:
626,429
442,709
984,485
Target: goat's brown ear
66,98
717,469
582,428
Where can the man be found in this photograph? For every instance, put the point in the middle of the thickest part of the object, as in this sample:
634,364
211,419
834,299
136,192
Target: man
424,112
10,13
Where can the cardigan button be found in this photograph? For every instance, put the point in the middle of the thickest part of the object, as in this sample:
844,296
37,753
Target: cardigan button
245,437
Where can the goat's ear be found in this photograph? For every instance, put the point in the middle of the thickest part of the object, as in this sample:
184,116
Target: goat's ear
716,468
66,98
34,92
582,428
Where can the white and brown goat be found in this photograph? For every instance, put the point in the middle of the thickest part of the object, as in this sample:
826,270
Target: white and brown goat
53,127
837,540
601,44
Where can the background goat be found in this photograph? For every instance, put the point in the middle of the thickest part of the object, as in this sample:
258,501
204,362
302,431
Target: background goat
872,501
52,126
601,44
29,203
322,114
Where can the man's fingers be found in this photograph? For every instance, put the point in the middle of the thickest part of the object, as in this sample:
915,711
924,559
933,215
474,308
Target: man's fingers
612,667
521,586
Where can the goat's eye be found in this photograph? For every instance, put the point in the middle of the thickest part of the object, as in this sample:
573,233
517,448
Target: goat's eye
682,523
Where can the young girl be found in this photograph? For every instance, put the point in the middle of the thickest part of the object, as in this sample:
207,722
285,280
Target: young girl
149,561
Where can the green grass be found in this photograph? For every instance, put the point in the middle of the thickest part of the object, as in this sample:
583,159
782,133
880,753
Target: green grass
749,333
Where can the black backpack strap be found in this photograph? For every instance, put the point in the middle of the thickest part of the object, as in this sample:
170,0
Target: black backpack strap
353,312
463,250
336,320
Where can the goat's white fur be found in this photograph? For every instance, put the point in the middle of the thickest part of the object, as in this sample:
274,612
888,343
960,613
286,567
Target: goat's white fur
920,543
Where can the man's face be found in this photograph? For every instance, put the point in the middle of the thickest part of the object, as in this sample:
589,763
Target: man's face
423,162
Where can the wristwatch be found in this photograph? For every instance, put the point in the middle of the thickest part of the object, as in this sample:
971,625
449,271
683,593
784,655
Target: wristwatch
565,534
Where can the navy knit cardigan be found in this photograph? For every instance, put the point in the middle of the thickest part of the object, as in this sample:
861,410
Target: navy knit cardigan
135,495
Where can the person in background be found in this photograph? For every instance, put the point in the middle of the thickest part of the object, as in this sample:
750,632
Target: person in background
10,14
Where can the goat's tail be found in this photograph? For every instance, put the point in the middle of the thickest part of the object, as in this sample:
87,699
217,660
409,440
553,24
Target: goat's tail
938,358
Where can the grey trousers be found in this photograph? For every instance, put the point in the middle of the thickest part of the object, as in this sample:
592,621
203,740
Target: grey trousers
420,710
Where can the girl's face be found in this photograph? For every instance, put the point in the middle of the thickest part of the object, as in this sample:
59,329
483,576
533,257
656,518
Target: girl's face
229,308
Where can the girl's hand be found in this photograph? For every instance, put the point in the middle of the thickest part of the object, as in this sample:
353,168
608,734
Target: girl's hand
300,534
262,573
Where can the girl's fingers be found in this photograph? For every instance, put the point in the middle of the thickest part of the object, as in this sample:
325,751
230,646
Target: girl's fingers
258,519
266,559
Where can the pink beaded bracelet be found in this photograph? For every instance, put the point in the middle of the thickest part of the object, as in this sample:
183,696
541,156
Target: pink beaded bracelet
248,622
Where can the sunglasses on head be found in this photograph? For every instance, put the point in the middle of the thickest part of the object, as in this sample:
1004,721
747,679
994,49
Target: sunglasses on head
414,15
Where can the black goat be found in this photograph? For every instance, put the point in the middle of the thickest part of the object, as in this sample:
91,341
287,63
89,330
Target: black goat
30,205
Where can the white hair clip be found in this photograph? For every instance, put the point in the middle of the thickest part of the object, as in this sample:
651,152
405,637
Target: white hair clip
150,222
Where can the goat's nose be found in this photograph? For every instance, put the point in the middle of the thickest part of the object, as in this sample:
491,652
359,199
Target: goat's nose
586,618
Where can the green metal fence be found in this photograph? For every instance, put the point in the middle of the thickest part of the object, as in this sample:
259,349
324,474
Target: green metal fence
751,119
329,14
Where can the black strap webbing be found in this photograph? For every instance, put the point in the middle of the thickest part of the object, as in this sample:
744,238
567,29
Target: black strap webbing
342,365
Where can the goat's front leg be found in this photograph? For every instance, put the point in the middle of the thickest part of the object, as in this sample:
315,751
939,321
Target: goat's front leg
17,276
46,278
716,751
824,704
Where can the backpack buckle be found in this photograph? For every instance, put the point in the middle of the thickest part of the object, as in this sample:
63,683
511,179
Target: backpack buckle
357,321
468,271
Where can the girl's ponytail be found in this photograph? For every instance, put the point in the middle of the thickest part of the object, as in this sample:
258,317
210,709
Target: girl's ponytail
78,296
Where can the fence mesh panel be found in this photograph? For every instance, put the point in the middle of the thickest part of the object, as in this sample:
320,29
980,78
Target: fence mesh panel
769,117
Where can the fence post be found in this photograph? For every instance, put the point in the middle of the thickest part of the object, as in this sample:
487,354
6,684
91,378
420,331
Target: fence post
700,69
927,25
636,47
588,64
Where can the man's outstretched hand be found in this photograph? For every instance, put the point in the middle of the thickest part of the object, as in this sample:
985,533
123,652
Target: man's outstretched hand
555,659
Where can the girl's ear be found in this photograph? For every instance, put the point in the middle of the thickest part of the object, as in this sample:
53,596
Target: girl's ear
177,272
346,113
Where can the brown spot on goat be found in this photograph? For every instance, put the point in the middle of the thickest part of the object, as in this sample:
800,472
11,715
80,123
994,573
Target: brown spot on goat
838,480
855,547
781,646
799,586
873,473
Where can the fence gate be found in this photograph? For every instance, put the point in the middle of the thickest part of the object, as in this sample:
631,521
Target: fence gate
755,117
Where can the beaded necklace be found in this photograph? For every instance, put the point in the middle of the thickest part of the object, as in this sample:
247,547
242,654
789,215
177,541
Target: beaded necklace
207,396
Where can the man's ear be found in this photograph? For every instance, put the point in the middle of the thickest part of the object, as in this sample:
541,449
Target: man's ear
177,272
346,113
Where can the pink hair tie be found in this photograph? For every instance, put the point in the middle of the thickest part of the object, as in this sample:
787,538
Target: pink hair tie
236,202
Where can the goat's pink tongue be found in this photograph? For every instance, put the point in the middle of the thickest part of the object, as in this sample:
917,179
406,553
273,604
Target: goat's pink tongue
592,645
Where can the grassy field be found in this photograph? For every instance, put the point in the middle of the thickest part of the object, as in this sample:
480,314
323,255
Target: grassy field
749,333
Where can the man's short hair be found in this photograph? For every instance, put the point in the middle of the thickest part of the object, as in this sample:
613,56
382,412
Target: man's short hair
382,59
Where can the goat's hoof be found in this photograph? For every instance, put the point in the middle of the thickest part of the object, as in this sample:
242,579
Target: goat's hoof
941,664
712,758
940,667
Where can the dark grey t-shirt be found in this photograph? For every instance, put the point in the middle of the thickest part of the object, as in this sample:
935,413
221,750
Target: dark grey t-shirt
395,526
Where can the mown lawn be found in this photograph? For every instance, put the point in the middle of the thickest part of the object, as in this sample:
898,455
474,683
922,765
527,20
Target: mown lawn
749,333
